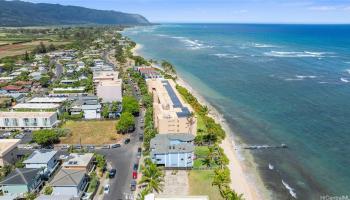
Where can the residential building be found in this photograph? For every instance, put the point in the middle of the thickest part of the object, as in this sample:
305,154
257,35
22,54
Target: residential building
108,86
37,106
28,120
171,113
173,150
79,161
43,159
174,197
69,182
89,105
7,151
55,197
49,100
21,181
69,90
149,72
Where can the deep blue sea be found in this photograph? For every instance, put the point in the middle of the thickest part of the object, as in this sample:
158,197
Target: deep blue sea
274,84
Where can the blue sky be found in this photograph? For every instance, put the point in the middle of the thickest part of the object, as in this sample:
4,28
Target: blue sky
241,11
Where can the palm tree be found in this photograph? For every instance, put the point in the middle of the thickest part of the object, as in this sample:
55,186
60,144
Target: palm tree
191,122
152,176
221,178
231,195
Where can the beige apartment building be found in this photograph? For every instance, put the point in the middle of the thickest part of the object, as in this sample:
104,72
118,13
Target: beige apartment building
108,86
171,113
7,151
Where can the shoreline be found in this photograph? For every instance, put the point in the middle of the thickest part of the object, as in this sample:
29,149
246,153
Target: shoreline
252,188
241,183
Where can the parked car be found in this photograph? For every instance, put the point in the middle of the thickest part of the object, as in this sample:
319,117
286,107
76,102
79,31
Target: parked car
133,185
134,174
106,189
106,146
28,146
136,167
116,145
90,147
127,141
141,137
139,150
19,136
65,147
86,196
78,147
112,173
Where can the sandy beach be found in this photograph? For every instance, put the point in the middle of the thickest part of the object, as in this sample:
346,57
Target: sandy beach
251,188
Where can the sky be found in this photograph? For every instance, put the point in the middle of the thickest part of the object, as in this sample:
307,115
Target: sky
225,11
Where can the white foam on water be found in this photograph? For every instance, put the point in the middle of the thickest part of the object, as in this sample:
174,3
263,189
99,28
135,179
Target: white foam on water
344,80
304,77
225,55
348,71
192,44
290,189
258,45
271,167
297,54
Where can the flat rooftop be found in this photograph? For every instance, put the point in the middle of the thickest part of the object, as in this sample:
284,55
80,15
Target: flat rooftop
78,159
36,106
26,114
7,145
47,100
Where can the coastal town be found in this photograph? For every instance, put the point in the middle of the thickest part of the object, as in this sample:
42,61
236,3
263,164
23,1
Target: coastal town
90,119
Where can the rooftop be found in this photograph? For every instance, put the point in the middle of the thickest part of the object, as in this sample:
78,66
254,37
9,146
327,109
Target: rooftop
68,177
174,197
40,156
78,159
162,143
47,100
7,145
26,114
21,176
36,106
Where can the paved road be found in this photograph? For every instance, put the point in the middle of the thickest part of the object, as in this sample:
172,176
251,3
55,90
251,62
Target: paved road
123,159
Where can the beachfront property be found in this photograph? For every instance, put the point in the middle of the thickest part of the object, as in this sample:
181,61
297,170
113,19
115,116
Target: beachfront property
171,113
173,150
28,120
69,182
8,151
148,72
79,161
174,197
21,181
43,159
108,86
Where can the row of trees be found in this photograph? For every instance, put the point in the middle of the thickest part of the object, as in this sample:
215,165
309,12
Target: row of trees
212,136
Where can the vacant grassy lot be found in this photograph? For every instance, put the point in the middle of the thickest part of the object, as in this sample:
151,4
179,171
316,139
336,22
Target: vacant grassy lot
19,49
200,184
91,132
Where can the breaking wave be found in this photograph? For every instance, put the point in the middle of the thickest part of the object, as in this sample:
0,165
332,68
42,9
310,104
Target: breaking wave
344,80
297,54
290,189
225,55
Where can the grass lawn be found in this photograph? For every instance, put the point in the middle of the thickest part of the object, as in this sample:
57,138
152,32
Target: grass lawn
200,184
91,132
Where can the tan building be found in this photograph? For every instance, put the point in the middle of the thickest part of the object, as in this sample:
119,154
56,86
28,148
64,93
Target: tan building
79,161
108,86
171,113
7,148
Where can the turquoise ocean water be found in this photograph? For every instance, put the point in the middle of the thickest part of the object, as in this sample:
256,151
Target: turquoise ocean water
274,84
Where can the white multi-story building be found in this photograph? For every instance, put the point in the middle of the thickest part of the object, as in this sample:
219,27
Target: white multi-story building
28,120
108,86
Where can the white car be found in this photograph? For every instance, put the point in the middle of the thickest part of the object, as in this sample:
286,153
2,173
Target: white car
106,189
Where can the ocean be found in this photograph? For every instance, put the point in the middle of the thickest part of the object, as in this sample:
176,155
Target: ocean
274,84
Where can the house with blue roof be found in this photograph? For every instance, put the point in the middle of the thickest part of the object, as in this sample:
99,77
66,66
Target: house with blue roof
47,160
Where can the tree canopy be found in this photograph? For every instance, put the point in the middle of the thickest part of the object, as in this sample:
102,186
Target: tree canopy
130,105
125,123
45,137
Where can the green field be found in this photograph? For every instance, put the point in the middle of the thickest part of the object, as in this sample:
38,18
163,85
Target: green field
200,184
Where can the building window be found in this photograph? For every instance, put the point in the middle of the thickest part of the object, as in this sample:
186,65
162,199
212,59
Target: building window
7,122
26,121
15,122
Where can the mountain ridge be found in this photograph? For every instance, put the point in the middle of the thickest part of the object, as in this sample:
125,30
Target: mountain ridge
20,13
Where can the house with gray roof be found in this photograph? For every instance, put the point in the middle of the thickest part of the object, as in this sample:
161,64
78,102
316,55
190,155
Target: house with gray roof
20,181
69,182
173,150
43,159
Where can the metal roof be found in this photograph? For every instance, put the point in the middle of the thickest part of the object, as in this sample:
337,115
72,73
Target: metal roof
40,156
21,176
68,177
